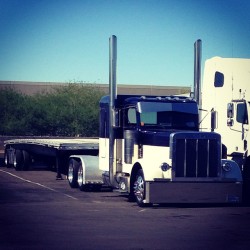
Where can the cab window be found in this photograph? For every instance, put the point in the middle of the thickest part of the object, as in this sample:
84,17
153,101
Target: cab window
129,118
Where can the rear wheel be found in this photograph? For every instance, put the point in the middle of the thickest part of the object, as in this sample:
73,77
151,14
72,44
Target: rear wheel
80,178
72,173
139,188
81,181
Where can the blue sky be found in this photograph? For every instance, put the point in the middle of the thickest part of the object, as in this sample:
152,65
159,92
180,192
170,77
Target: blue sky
67,40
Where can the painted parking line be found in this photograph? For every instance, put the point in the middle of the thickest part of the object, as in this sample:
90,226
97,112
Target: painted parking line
38,184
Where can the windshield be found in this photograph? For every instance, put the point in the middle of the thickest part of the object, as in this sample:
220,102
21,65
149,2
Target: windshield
169,120
163,116
161,120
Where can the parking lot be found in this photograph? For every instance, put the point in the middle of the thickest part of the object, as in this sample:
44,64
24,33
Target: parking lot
39,212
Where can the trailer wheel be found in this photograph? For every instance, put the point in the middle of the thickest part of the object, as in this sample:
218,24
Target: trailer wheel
139,188
72,173
18,160
80,177
26,160
6,159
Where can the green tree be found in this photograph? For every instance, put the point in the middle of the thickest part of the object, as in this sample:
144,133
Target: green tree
71,110
77,109
14,115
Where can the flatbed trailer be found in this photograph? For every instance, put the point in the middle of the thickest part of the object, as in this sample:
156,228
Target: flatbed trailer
20,153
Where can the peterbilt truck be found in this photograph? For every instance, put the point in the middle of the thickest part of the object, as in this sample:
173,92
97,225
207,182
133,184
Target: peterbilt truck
150,148
225,104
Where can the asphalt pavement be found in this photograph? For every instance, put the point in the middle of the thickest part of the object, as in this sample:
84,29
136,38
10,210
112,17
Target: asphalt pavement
39,212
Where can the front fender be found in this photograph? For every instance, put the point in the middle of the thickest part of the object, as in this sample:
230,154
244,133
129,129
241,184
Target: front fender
231,170
90,166
150,170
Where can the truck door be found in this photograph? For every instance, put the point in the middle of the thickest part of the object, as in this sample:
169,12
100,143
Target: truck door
104,139
238,122
130,134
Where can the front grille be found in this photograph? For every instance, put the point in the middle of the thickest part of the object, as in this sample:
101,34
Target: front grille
195,154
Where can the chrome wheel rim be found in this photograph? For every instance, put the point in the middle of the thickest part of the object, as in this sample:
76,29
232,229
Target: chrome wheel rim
6,159
15,161
79,176
139,188
70,173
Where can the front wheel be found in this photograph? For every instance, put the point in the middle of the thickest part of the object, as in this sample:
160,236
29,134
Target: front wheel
139,188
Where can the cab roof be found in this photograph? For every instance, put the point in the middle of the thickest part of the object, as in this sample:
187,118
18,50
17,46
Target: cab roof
133,99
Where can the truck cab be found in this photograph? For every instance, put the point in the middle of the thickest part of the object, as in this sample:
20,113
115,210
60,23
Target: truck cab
157,143
151,148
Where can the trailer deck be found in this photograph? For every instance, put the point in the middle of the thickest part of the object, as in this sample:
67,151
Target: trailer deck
60,144
54,151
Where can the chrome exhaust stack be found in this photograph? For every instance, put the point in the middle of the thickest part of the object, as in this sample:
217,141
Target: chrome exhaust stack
113,97
197,71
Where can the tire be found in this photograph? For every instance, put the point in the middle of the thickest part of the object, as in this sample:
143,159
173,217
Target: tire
26,160
80,178
86,187
21,160
18,160
72,173
6,159
139,188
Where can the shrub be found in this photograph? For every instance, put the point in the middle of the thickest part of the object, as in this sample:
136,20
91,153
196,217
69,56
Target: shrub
70,110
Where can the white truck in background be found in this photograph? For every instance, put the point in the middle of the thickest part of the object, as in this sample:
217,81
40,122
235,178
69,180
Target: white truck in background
150,148
225,109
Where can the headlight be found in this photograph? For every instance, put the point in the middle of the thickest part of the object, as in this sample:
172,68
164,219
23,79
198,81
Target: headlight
226,167
164,166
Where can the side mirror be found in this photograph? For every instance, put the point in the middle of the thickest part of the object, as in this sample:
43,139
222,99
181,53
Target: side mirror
230,110
241,113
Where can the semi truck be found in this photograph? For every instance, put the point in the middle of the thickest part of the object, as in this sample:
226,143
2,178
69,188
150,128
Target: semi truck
149,148
225,104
